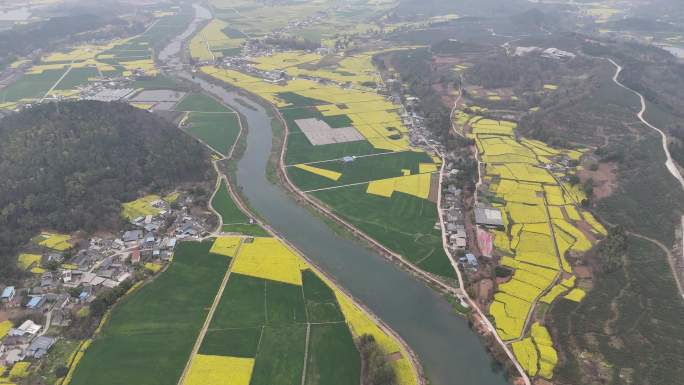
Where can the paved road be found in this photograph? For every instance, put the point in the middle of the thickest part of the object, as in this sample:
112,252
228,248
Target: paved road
669,164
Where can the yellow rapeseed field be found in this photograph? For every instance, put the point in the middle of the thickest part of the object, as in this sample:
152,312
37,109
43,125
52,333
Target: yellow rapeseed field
153,267
417,185
427,168
509,313
516,171
19,370
527,356
576,295
553,294
520,289
25,261
219,370
581,243
146,65
598,228
225,246
359,323
207,43
369,112
332,175
548,358
525,213
141,207
5,327
55,241
269,258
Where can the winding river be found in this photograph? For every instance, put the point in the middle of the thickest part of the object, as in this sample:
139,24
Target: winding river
449,351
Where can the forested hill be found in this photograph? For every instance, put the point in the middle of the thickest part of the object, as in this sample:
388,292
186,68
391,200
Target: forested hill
69,167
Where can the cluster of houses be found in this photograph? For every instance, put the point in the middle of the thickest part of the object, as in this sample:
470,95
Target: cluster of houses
25,342
106,89
244,65
452,208
102,263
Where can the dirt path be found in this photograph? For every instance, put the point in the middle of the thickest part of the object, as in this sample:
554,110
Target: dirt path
355,157
670,257
71,65
306,352
455,107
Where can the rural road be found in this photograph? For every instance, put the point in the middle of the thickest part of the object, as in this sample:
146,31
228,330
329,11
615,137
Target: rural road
669,164
484,320
488,324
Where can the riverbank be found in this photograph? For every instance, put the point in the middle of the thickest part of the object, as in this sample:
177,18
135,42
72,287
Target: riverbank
232,166
413,359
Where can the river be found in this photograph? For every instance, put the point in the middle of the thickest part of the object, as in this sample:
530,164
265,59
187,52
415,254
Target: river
449,351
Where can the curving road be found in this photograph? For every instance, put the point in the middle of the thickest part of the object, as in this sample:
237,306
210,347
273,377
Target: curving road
669,164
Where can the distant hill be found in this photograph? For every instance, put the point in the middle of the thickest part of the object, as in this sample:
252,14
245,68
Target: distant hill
640,24
77,25
532,18
486,8
71,168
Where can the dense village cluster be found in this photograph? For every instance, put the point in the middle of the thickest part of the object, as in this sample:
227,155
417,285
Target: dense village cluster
69,281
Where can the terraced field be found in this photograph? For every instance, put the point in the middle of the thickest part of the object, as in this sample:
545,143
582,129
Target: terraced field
544,223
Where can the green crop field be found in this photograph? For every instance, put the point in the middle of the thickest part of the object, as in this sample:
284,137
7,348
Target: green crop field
30,86
267,320
300,150
298,100
403,223
242,303
338,121
231,342
77,77
321,304
284,304
219,131
280,359
360,170
246,229
226,207
333,358
150,334
201,103
166,27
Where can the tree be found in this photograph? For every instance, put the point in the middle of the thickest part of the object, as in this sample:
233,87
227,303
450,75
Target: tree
61,371
377,370
84,162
